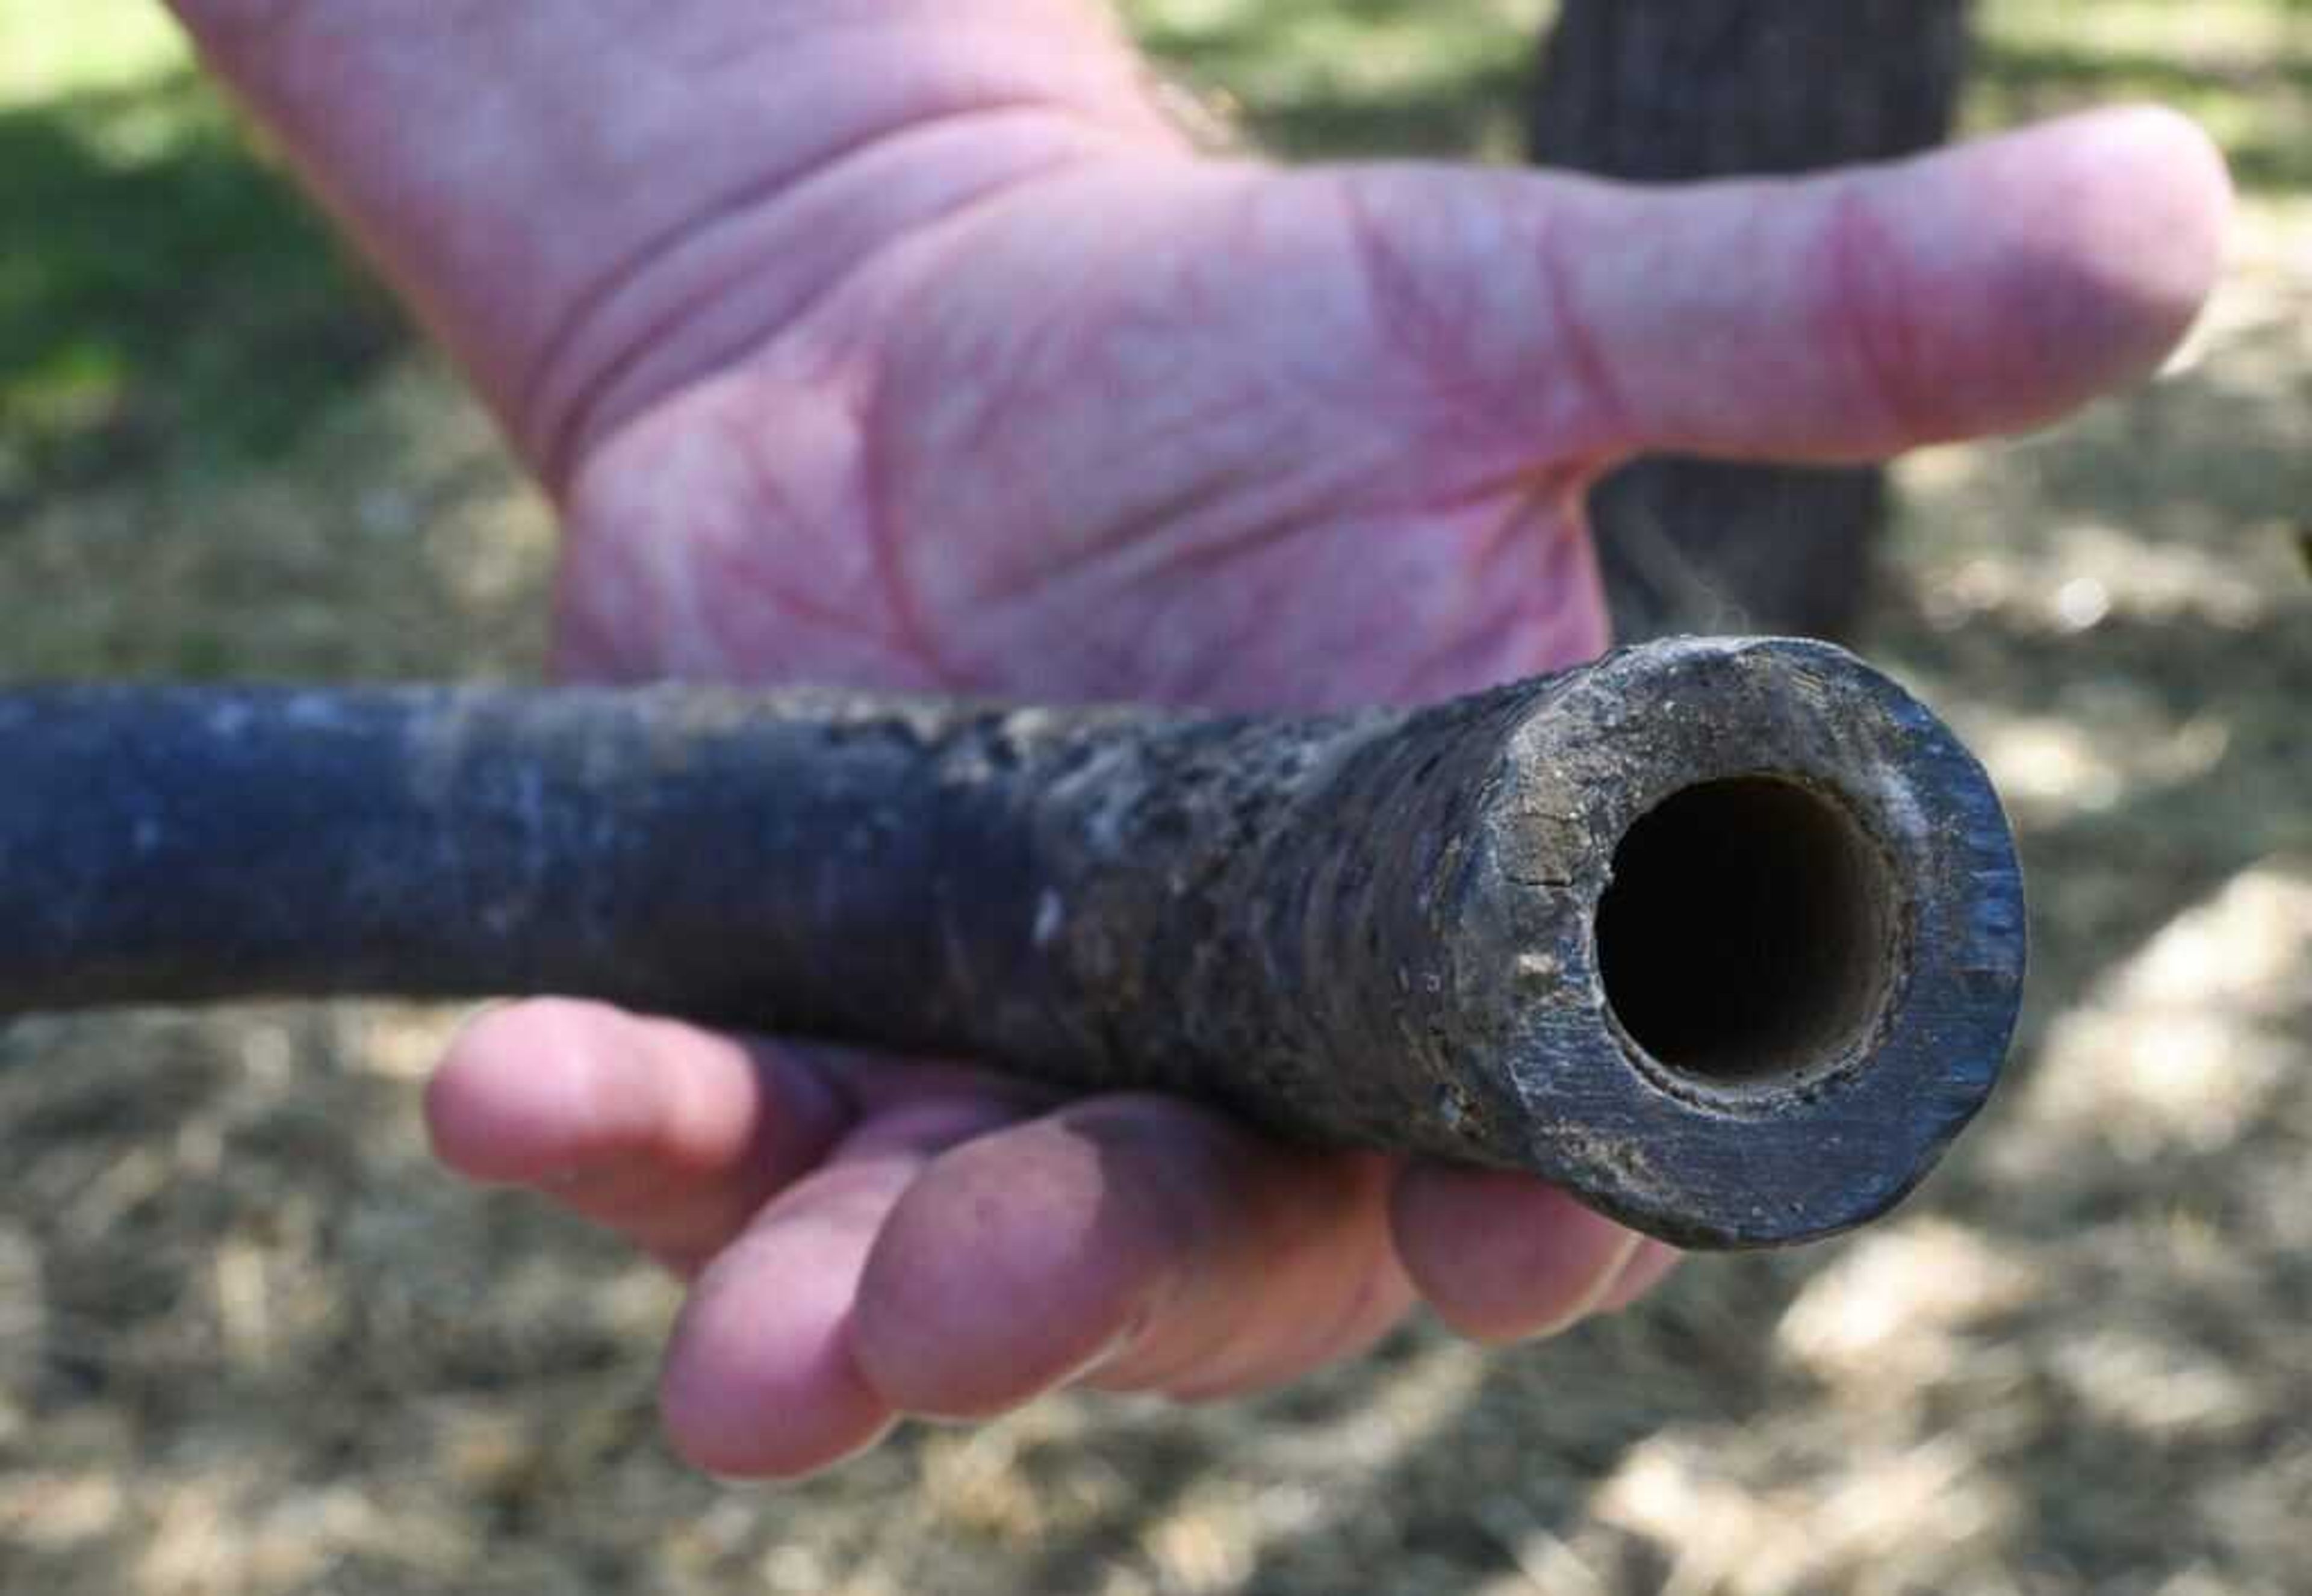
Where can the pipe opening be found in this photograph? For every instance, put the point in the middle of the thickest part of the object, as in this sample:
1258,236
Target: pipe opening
1744,940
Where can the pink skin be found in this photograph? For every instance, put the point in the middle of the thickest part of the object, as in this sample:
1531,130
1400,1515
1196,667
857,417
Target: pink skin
901,343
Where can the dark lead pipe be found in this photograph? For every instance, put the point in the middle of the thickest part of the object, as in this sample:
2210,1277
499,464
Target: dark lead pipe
1726,936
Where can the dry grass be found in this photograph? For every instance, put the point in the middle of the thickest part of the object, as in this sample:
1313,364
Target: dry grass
250,1341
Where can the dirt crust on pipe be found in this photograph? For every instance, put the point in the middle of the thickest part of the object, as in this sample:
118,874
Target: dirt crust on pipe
1377,929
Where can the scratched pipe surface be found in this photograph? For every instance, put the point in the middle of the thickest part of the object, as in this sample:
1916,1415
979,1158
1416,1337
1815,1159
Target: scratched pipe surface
1724,935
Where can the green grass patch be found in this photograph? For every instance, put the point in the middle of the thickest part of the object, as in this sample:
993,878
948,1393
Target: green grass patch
165,297
1348,78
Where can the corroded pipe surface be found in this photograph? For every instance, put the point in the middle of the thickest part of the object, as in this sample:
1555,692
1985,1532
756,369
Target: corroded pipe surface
1724,935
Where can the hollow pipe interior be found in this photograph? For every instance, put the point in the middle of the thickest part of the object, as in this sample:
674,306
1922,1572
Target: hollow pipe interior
1745,940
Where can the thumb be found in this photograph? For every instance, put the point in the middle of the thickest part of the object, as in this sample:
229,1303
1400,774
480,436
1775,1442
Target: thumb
1988,287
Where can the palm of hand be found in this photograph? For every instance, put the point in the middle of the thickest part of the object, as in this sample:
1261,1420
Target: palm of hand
1139,427
1183,433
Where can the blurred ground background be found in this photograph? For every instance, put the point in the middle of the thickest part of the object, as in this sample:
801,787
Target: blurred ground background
250,1343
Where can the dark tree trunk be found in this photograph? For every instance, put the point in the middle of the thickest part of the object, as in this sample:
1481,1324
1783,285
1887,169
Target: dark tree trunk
1670,90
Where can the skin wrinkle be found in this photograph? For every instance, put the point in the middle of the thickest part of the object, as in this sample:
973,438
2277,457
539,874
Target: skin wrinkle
1110,558
1865,313
1383,1295
1186,437
1545,524
1260,557
1242,1345
910,636
1315,324
1441,336
1543,519
1198,675
1444,405
1629,259
457,216
1182,506
1193,562
687,606
762,330
763,569
1562,599
570,425
535,393
773,599
1600,393
1404,299
708,570
1487,652
1136,552
1507,634
1005,381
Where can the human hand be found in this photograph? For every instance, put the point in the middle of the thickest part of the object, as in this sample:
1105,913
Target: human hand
967,374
